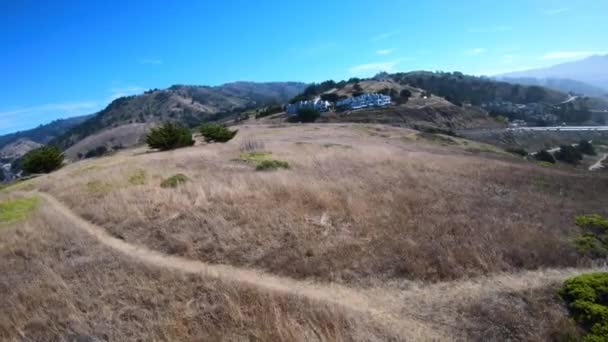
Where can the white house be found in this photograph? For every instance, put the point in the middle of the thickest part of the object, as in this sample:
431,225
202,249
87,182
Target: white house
365,101
317,104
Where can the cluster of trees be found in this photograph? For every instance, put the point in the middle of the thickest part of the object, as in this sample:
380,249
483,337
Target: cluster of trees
45,159
169,136
459,88
567,153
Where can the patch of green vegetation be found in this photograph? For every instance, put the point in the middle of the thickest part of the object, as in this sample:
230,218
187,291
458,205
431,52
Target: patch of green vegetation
329,145
174,181
138,177
593,242
545,164
17,185
16,210
254,157
586,297
217,133
45,159
169,136
269,165
98,187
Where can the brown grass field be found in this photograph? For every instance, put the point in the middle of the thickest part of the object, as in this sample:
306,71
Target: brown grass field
374,233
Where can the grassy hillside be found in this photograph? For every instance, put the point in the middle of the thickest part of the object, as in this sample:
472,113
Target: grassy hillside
372,233
186,104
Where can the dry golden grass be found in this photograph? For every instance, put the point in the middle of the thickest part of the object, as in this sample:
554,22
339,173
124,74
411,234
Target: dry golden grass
59,284
65,279
360,205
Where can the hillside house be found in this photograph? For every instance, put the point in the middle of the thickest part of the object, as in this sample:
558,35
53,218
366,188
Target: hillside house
365,101
317,104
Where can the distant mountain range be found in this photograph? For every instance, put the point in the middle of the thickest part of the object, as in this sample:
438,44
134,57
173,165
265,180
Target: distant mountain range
591,74
560,84
189,105
16,144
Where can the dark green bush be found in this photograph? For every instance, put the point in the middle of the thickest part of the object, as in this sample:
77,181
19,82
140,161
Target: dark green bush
520,151
42,160
216,133
268,165
174,181
96,152
586,297
307,115
544,156
585,147
593,242
169,136
568,154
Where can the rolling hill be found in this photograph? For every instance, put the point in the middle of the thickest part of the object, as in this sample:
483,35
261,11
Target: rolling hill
182,103
592,70
559,84
14,145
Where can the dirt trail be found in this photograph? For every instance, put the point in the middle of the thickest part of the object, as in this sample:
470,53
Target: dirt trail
599,164
409,309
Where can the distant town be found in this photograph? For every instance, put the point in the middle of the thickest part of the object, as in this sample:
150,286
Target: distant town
352,103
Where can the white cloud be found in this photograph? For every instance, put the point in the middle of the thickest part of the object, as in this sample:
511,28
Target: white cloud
475,51
555,11
154,61
385,35
373,68
125,91
385,52
68,107
490,29
556,55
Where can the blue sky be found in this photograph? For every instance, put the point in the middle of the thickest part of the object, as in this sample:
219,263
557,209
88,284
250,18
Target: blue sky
64,58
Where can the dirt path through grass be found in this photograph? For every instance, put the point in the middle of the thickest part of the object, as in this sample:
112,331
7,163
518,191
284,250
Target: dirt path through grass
599,164
415,311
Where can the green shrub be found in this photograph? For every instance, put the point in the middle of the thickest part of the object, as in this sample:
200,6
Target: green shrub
269,165
585,147
544,156
593,241
174,181
16,210
255,157
42,160
216,133
568,154
308,115
169,136
586,297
